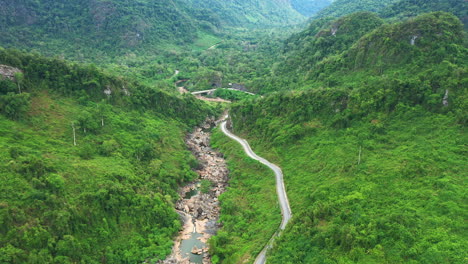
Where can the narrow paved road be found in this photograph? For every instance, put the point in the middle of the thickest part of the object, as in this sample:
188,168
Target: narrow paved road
282,196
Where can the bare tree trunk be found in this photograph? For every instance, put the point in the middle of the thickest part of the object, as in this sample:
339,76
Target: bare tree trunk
74,134
102,121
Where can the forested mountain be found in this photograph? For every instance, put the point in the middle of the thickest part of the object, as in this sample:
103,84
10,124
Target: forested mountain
105,25
90,164
310,7
410,8
340,8
395,9
330,48
372,152
248,13
321,39
117,26
365,110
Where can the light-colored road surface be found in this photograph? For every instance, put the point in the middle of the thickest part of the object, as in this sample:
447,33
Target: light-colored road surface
212,90
282,196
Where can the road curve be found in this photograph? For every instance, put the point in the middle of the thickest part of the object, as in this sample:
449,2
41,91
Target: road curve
282,196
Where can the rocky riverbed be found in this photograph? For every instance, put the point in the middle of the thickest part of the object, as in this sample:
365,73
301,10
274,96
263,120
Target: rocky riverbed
200,211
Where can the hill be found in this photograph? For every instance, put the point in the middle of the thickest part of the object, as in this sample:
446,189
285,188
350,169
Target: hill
340,8
309,8
410,8
251,13
372,149
108,26
323,38
324,54
90,28
91,163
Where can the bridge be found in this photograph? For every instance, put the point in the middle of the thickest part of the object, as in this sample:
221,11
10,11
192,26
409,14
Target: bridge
211,91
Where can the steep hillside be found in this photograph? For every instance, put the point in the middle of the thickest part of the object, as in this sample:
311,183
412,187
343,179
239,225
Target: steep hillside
382,187
324,54
310,7
373,157
429,42
396,9
410,8
90,165
340,8
106,25
321,39
116,27
248,13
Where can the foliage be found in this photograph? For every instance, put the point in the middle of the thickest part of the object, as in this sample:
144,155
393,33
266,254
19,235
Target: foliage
387,189
363,171
372,147
410,8
323,38
395,51
247,223
339,8
110,197
88,83
249,13
205,185
233,95
309,8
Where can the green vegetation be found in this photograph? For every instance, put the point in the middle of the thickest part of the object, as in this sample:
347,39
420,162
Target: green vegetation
410,8
247,223
88,83
249,13
374,163
106,26
323,38
88,177
309,8
398,51
388,188
339,8
233,95
365,112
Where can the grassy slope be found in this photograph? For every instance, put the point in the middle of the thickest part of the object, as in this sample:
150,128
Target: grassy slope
247,223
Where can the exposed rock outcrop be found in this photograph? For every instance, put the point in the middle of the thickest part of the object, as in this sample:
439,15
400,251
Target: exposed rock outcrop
8,72
201,211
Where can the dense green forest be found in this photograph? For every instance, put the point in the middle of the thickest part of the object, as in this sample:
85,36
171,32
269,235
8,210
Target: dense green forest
247,224
386,188
116,27
339,8
328,54
364,108
251,13
373,148
309,8
91,164
410,8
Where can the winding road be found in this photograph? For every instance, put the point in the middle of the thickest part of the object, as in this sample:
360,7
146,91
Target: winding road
282,196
